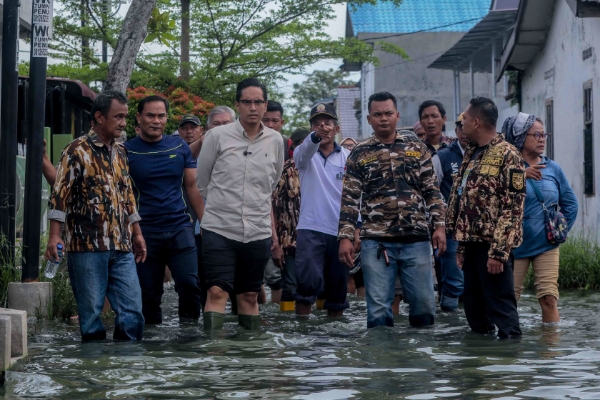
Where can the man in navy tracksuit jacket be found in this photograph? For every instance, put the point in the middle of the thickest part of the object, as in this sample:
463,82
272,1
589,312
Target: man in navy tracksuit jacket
451,158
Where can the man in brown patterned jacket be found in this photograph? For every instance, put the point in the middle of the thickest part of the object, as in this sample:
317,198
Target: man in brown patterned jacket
93,196
485,214
390,181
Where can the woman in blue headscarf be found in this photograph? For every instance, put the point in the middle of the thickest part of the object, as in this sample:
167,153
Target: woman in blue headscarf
526,133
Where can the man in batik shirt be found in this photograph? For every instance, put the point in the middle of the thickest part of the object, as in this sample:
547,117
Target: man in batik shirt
286,211
93,196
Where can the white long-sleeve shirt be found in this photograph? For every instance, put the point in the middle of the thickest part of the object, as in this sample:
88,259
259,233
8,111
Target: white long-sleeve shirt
321,182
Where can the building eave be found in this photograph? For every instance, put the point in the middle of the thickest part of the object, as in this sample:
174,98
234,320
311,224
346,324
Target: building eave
528,38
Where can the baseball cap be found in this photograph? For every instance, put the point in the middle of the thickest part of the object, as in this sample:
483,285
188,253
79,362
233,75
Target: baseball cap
190,118
460,118
299,134
322,109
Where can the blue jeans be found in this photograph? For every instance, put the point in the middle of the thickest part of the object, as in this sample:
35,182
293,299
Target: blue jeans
112,274
452,277
412,262
177,249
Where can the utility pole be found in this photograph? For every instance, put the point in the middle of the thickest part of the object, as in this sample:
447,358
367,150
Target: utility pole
41,30
8,129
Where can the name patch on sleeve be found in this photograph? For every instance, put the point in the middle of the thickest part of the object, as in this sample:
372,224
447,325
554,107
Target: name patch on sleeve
411,153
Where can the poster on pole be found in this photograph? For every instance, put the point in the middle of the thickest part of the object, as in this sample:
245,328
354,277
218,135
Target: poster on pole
42,27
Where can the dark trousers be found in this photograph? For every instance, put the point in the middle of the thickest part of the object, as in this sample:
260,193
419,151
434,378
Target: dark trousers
176,249
202,278
288,279
319,271
489,299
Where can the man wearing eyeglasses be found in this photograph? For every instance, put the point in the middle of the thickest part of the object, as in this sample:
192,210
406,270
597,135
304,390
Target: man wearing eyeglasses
238,169
320,162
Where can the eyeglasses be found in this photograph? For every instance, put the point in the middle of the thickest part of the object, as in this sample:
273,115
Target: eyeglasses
329,124
539,135
250,102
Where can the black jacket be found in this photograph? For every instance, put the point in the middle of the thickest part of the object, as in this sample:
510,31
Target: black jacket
451,158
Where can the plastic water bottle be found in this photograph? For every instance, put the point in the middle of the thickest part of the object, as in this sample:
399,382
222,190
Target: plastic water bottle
52,266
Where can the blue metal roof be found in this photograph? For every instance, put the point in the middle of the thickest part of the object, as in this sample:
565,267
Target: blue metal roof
419,15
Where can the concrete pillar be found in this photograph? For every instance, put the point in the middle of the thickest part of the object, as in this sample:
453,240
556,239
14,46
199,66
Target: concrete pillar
494,70
33,297
18,331
472,75
457,109
5,342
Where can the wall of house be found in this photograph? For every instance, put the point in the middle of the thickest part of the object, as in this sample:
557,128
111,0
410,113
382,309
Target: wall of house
559,73
412,82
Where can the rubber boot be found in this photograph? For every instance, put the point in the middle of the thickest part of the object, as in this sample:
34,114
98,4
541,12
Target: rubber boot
287,305
213,321
320,304
249,322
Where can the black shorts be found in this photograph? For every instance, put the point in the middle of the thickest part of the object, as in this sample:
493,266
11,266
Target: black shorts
234,266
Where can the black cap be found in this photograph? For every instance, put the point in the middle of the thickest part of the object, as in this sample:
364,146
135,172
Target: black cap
190,118
299,134
322,109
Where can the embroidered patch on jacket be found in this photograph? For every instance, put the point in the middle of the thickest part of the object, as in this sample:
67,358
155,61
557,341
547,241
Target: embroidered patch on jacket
410,153
367,160
517,181
491,160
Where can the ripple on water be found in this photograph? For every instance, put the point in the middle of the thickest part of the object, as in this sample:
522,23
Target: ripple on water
318,358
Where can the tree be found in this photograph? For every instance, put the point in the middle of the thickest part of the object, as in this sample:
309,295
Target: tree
229,40
132,35
318,85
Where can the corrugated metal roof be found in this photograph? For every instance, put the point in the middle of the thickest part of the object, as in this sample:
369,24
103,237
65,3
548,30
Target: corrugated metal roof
418,15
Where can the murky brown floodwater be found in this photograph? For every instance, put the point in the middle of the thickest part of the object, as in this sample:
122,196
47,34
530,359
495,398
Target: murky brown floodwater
322,359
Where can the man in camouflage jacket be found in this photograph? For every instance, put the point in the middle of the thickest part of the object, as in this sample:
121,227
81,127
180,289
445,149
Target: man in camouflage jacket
485,213
394,174
93,196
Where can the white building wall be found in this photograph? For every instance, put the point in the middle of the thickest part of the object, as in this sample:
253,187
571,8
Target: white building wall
559,73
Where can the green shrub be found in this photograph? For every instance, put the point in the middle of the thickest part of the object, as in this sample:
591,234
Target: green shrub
579,265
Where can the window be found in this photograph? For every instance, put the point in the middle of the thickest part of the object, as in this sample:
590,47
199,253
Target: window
588,140
550,129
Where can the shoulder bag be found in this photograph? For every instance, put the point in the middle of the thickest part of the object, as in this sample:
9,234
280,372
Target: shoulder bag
554,221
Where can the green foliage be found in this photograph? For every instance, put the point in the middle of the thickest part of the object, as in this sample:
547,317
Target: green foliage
579,265
9,272
318,85
161,28
230,40
180,101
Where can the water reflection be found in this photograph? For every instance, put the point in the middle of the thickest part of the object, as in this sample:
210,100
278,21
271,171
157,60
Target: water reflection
318,358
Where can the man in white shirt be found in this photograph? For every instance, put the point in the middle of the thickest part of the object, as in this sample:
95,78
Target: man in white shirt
320,163
238,169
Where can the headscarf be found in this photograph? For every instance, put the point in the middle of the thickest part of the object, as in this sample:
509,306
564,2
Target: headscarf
515,129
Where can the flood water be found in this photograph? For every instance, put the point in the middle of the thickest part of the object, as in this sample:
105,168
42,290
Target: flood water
322,359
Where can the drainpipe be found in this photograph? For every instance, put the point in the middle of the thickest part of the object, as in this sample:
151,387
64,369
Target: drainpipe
457,110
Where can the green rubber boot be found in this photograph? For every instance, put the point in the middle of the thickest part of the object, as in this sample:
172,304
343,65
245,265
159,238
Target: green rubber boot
213,321
249,322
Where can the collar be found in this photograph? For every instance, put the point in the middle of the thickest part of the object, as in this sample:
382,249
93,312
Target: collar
443,140
399,136
96,139
240,129
336,149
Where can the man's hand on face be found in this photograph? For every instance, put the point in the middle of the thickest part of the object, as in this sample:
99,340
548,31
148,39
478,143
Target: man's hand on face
323,131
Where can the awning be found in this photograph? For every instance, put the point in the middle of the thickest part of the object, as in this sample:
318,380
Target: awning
529,36
477,44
